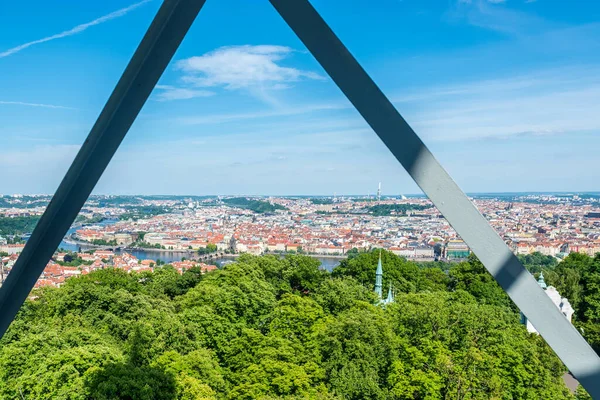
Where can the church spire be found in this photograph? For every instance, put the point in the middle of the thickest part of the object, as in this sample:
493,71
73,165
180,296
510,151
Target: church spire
379,278
390,296
541,281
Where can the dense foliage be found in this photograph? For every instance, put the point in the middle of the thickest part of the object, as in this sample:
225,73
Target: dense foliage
321,200
577,278
210,248
17,225
396,209
103,242
266,328
143,212
82,219
536,262
258,206
72,260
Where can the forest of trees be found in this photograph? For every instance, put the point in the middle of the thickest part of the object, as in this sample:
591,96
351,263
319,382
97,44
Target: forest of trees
281,328
536,262
210,248
17,225
258,206
82,219
321,200
103,242
396,209
139,212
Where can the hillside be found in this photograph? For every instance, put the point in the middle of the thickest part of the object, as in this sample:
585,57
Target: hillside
267,328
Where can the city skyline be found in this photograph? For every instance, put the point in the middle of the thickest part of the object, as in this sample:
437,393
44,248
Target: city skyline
503,93
384,196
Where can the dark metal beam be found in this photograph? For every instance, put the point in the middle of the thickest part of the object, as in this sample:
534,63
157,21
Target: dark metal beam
435,182
152,56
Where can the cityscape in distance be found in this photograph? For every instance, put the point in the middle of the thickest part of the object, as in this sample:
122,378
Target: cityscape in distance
256,228
399,251
134,232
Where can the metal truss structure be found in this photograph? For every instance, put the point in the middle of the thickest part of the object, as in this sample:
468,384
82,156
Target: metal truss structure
148,63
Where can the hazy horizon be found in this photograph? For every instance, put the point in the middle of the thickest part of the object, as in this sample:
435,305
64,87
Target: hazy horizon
383,195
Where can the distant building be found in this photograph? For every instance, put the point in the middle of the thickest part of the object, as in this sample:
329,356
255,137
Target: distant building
12,248
457,249
123,238
424,252
561,302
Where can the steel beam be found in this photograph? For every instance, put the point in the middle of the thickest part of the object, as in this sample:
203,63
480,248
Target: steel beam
149,61
141,75
435,182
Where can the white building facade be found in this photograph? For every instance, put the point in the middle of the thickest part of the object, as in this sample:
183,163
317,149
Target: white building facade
561,302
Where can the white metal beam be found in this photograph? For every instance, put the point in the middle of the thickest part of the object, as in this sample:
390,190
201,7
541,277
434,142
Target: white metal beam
435,182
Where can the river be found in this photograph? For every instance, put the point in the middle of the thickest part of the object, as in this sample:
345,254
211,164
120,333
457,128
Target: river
327,263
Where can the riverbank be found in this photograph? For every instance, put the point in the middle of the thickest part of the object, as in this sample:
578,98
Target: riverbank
90,246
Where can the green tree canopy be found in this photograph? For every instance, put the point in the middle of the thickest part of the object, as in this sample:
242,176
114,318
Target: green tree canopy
282,328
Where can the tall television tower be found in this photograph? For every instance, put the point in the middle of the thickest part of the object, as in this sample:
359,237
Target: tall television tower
379,192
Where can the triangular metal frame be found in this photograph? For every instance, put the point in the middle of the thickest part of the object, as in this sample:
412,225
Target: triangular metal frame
153,55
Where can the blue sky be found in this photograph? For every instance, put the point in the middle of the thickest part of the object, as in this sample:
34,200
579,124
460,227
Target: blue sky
505,93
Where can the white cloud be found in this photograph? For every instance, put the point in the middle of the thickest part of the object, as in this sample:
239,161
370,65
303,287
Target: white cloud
243,67
256,70
168,93
557,101
21,103
75,30
554,101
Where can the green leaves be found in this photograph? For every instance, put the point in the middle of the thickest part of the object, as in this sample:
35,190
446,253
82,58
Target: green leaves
472,277
403,275
17,225
273,328
577,278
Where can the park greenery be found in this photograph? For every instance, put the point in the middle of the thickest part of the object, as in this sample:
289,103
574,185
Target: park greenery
536,262
281,328
71,259
381,210
258,206
146,245
82,219
142,212
321,200
17,225
104,242
210,248
577,278
142,244
116,201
